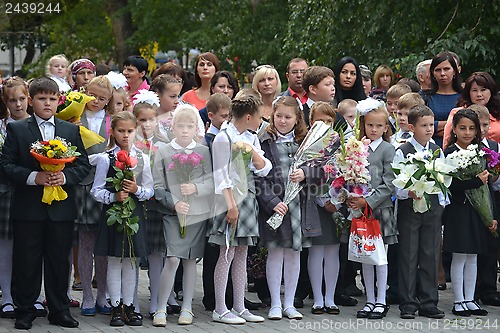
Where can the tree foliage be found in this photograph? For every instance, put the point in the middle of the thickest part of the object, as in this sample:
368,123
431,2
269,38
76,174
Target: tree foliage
244,33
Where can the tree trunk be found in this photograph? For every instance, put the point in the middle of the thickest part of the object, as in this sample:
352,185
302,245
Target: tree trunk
121,23
30,51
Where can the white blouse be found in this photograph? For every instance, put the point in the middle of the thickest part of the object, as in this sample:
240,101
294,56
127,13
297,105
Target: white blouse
221,152
101,194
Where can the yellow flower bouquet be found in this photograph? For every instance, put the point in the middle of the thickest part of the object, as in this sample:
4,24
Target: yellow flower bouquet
53,156
70,108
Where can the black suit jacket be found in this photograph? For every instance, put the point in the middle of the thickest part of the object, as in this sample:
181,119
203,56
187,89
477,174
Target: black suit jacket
16,164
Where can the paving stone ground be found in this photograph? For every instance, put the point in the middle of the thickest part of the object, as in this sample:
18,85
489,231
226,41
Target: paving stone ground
345,322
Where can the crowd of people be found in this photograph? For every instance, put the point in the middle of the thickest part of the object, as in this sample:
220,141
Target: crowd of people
217,211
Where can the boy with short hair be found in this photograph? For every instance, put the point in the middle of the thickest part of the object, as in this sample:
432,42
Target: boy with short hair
404,105
43,232
419,233
319,84
392,97
347,108
218,106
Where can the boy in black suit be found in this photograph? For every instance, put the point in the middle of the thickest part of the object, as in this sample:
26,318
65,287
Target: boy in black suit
41,231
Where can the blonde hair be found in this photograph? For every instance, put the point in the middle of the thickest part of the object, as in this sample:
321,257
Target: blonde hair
398,90
480,110
345,104
218,101
123,95
117,117
381,109
409,101
264,71
163,82
51,60
245,92
185,112
101,81
382,70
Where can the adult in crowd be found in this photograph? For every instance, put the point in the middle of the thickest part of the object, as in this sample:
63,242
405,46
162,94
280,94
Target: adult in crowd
348,80
294,74
366,76
171,68
222,82
82,71
267,82
480,88
134,69
446,87
206,65
423,74
383,78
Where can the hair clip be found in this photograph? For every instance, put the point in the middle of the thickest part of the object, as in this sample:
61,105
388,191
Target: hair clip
147,96
367,105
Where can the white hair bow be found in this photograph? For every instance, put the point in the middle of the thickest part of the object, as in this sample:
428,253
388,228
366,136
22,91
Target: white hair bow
147,96
368,105
118,80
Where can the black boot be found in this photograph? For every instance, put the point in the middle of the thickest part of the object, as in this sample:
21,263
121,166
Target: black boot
117,315
130,317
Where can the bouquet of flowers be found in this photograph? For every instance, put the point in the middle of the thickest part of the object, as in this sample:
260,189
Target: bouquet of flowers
353,177
256,263
165,126
183,165
469,163
493,160
314,151
424,174
53,156
70,108
121,213
148,148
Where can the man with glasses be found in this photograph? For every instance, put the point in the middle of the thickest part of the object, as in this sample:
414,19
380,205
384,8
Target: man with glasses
294,74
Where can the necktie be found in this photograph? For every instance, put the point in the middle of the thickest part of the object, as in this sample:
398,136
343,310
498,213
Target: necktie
405,135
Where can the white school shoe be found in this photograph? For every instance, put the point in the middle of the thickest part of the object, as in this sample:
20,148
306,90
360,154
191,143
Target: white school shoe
292,313
274,313
223,318
248,316
160,318
185,317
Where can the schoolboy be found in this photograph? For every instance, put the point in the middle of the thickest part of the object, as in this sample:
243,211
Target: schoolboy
419,233
319,84
404,104
347,108
43,232
392,97
218,106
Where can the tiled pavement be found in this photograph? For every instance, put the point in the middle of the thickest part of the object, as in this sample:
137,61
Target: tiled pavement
345,322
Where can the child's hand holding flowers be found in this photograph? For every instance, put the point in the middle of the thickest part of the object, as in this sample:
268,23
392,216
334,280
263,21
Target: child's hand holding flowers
297,176
188,189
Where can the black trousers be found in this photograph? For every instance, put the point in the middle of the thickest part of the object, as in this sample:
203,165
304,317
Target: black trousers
36,242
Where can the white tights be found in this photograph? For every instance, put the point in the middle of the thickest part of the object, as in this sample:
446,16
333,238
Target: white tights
329,255
121,280
277,259
463,274
369,277
167,279
237,255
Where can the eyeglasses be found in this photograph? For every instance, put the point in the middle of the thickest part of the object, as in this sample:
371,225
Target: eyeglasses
297,71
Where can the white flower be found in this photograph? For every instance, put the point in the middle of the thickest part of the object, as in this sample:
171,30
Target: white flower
421,186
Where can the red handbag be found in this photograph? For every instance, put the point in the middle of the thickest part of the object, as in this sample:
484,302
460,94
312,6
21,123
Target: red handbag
366,244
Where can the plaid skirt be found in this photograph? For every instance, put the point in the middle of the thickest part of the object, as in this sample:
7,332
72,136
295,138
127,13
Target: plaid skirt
89,210
247,228
5,222
154,227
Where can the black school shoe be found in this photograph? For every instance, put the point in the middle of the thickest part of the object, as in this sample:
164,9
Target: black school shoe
478,311
433,313
379,315
407,314
345,300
